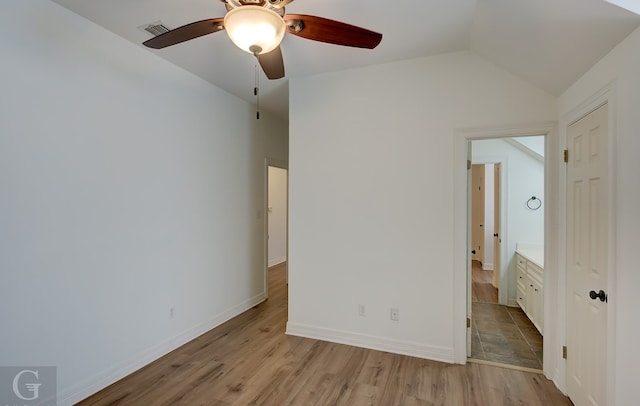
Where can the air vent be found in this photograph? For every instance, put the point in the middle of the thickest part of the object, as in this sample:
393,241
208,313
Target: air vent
155,28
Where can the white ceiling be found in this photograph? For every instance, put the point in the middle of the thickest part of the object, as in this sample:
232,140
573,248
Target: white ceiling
549,43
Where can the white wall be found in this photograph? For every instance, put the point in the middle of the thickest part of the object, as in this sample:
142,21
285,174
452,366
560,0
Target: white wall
621,68
129,187
372,195
277,215
534,143
522,177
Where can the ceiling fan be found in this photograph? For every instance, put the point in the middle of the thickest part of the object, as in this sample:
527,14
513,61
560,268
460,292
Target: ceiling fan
258,26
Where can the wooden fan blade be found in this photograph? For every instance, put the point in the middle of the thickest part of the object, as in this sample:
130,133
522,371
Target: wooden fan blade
330,31
272,64
185,33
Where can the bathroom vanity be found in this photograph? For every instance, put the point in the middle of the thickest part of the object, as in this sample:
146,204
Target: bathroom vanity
530,282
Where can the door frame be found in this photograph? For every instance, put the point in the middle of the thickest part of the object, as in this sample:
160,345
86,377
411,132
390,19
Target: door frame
462,138
503,292
605,95
498,208
276,163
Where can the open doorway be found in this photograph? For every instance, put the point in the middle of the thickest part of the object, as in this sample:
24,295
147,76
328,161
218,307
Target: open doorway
506,227
485,231
277,224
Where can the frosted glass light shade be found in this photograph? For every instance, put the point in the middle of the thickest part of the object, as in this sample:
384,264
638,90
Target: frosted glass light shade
254,29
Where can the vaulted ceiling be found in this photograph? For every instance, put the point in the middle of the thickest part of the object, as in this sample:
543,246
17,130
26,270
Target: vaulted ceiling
549,43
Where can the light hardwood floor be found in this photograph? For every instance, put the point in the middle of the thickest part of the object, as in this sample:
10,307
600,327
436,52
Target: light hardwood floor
482,289
250,361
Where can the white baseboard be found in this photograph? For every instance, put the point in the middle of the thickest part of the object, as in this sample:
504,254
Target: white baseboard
487,266
70,396
412,349
276,261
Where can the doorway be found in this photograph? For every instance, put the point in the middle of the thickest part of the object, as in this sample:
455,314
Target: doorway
486,236
506,224
277,197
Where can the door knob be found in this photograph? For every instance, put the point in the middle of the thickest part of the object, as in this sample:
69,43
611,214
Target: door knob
600,295
495,235
473,252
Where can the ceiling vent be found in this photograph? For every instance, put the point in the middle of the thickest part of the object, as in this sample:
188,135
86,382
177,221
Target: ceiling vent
155,28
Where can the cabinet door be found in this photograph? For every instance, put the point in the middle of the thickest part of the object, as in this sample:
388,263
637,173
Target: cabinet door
538,305
530,299
521,285
521,293
536,310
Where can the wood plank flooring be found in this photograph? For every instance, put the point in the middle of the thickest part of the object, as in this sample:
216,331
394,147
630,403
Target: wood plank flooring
250,361
482,289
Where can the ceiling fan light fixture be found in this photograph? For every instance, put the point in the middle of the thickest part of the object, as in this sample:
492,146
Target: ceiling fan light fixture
254,29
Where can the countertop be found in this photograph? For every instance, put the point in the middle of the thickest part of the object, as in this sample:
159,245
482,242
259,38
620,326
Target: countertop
532,252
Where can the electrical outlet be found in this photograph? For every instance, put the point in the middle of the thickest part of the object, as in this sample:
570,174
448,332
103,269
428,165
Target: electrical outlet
395,314
362,311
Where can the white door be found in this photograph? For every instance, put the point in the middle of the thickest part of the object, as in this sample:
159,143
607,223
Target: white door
587,258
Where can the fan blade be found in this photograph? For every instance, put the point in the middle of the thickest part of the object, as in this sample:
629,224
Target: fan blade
185,33
272,64
330,31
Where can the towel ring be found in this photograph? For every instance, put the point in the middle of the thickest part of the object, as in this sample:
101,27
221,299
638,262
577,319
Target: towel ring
534,203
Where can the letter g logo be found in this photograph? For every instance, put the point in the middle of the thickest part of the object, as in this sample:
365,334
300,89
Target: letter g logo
31,387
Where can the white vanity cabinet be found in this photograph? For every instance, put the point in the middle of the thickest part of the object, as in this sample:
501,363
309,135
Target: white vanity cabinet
530,289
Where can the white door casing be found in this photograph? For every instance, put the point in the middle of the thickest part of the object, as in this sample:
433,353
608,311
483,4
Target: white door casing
467,254
277,216
462,222
587,258
497,236
277,163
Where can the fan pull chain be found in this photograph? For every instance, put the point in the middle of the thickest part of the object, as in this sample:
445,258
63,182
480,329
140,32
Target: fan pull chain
256,91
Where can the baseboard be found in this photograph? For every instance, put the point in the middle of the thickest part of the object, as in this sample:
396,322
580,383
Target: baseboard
513,303
486,266
70,396
373,342
276,261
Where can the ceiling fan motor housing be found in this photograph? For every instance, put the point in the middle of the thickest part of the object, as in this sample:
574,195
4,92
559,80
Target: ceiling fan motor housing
258,26
274,5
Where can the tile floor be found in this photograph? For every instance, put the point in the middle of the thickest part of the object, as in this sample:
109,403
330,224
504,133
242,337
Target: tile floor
505,335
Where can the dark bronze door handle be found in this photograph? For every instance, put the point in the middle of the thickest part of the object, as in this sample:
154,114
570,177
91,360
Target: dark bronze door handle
600,295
